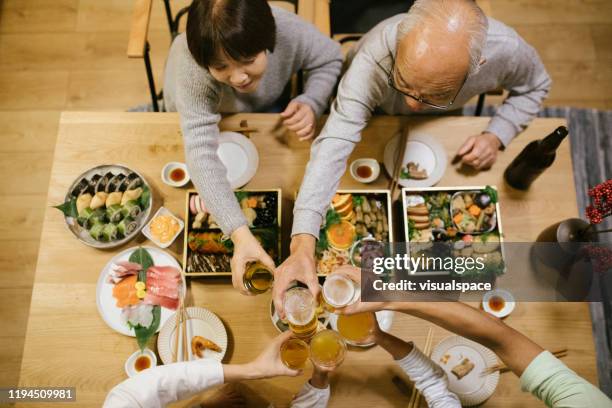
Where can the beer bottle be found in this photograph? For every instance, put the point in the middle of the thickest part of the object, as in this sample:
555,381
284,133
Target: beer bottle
536,157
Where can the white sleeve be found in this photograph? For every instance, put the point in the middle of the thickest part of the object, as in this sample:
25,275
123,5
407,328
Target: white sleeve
311,397
159,386
429,379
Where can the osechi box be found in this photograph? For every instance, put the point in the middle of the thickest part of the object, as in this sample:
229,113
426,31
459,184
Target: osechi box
354,217
208,252
455,222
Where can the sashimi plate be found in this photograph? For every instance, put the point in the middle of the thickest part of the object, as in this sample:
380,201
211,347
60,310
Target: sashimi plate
107,304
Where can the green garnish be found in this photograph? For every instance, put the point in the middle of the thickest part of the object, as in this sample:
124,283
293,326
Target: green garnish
68,208
357,200
491,192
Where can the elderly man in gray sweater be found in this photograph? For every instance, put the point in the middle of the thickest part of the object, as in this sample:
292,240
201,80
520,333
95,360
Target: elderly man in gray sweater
436,57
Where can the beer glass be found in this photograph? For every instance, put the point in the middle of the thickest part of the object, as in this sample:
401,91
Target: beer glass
300,310
258,278
356,327
327,349
294,353
340,291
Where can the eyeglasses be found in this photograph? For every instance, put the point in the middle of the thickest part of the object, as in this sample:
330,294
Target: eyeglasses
391,82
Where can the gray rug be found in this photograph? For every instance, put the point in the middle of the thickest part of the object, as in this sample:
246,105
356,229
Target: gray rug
590,132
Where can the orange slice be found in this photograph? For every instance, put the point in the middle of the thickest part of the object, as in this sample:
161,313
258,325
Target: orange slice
341,235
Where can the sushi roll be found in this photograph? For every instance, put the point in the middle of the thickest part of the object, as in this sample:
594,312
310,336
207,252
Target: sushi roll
99,200
93,182
126,226
96,232
113,198
109,232
131,195
101,185
131,209
115,183
81,188
132,181
84,216
97,217
114,213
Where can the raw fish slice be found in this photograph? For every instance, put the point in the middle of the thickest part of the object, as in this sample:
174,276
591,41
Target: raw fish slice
164,272
125,292
141,314
168,303
118,271
165,291
129,265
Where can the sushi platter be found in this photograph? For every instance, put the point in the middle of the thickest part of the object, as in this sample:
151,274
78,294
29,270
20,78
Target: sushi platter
207,251
107,206
455,221
353,218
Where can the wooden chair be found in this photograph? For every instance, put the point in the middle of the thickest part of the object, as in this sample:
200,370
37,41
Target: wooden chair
138,46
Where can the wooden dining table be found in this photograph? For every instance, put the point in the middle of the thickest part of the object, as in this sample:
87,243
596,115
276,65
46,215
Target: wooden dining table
68,344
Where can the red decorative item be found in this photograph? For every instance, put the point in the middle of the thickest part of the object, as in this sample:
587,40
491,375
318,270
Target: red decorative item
601,206
600,257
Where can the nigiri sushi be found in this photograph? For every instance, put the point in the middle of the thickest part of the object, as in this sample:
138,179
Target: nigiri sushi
130,195
99,200
83,202
113,198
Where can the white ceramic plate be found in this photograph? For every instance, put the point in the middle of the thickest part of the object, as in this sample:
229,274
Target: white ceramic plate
239,156
423,149
107,304
509,303
384,318
81,233
473,389
201,322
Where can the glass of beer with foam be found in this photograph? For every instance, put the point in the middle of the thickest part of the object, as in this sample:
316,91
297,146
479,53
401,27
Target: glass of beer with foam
300,311
340,291
327,349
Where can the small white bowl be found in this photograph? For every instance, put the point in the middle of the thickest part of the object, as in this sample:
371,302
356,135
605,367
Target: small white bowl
373,164
509,303
129,367
147,228
165,174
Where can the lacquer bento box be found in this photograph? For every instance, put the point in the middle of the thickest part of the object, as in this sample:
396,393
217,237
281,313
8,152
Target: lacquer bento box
354,217
208,252
462,221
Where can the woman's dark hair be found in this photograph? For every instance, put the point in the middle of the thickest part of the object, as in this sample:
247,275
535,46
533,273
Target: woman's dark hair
239,29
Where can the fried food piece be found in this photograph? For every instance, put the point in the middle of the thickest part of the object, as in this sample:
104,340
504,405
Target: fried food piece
462,369
199,344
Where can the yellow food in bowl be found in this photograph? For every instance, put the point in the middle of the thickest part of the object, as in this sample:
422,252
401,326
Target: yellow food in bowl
163,228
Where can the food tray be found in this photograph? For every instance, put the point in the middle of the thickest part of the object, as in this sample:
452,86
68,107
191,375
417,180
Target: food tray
440,204
203,263
330,255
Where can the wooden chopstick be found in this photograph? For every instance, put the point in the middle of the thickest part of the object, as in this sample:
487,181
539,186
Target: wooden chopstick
176,335
415,398
502,368
185,352
399,160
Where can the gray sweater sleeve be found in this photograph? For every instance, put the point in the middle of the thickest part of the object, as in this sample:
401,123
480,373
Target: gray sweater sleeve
321,58
198,97
361,90
528,84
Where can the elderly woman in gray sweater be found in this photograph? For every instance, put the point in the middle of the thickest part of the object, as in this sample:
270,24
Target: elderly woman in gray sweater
238,56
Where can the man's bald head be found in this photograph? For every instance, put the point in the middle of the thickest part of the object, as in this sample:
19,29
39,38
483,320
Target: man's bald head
439,42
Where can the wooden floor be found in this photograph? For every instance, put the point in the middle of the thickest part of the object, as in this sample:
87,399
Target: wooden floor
70,55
